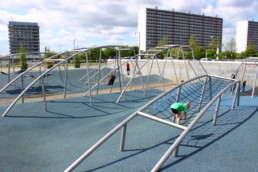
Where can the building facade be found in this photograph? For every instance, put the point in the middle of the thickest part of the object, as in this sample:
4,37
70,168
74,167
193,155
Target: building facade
154,24
246,31
23,33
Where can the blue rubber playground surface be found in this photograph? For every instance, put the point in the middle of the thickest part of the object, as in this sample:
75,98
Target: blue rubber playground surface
32,139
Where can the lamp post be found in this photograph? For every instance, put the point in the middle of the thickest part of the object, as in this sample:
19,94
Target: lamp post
139,43
217,49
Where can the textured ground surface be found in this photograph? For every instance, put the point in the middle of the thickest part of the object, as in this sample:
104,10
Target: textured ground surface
32,139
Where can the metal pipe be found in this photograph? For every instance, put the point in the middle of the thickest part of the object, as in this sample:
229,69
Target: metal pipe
22,87
87,63
102,140
152,61
65,84
160,75
185,132
210,88
9,71
235,97
123,135
100,55
178,94
203,89
216,111
175,70
162,121
23,73
99,143
44,94
254,84
130,81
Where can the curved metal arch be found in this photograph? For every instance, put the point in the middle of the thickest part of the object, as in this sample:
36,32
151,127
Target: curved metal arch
29,69
139,112
156,50
46,72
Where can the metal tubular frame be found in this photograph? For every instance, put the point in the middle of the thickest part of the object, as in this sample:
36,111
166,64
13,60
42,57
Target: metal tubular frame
87,61
44,94
174,146
65,84
160,74
190,126
29,69
203,89
42,75
216,111
254,84
163,48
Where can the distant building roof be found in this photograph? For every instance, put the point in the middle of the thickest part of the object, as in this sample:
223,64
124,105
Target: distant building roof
23,23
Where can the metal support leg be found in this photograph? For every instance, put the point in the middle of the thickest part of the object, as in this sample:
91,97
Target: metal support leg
210,88
235,97
216,112
201,98
175,153
22,87
178,94
43,92
238,95
122,145
65,84
254,84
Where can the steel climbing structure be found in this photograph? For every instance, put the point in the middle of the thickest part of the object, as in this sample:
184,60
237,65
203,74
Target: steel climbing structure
95,78
201,92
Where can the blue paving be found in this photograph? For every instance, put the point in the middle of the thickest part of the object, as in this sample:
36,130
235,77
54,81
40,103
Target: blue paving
34,140
55,82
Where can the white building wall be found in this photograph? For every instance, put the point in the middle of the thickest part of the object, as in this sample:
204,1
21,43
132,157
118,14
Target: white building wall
241,35
142,16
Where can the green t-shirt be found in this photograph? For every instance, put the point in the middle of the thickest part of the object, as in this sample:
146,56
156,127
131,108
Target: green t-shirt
181,107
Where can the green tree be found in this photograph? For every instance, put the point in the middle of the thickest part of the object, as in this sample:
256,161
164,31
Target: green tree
164,41
230,50
23,59
231,46
199,53
192,41
94,54
109,53
228,55
77,61
211,53
250,49
48,54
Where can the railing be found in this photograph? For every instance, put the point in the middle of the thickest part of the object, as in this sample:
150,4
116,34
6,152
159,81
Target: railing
175,145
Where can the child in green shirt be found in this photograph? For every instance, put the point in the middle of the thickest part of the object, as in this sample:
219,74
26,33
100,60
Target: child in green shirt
178,108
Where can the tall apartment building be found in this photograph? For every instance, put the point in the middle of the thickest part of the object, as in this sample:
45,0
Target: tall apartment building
23,33
153,24
245,31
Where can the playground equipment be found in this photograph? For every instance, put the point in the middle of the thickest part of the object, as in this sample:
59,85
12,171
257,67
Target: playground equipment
250,62
97,76
201,92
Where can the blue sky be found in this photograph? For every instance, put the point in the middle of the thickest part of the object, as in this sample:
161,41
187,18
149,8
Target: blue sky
83,23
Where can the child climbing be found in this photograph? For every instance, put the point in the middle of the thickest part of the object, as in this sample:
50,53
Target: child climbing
178,108
112,78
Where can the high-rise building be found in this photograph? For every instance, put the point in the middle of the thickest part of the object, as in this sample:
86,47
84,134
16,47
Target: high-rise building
23,33
246,31
154,24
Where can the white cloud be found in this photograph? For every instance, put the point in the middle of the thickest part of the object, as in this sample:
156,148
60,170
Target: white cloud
103,21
